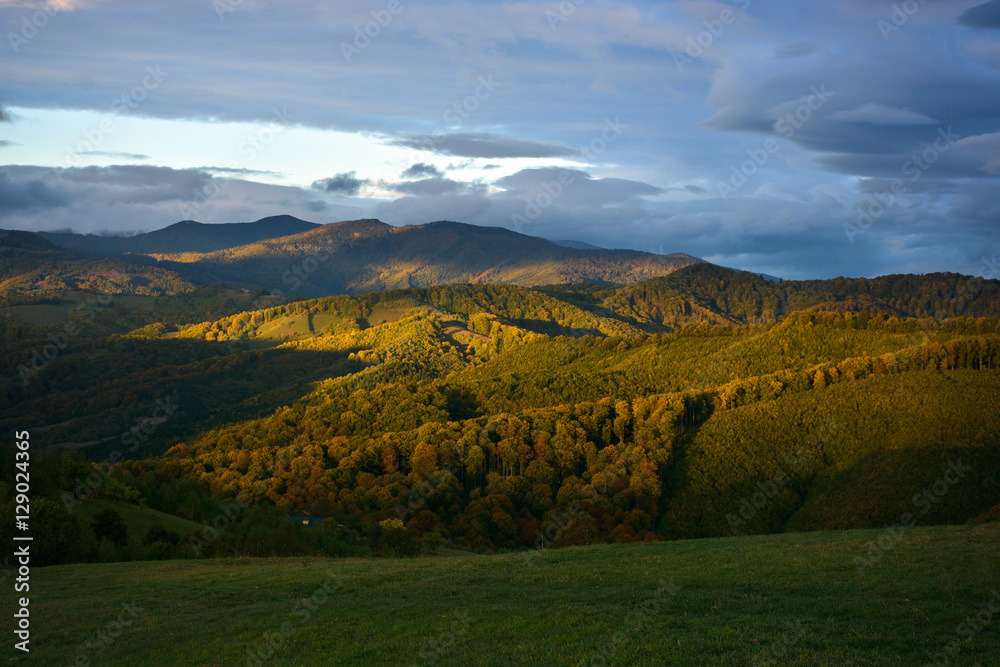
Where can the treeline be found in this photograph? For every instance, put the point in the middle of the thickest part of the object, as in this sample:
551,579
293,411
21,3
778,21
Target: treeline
715,295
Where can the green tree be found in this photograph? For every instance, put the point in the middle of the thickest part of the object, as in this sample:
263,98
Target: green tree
109,525
56,532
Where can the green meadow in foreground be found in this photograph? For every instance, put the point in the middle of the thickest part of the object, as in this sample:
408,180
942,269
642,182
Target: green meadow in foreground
928,596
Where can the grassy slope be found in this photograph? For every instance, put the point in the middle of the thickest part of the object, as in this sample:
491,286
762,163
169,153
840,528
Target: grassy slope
139,521
777,599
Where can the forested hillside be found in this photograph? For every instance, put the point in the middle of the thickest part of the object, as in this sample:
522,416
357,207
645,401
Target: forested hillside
708,402
33,270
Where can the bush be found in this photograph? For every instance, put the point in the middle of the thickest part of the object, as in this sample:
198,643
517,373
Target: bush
160,534
399,542
159,551
431,541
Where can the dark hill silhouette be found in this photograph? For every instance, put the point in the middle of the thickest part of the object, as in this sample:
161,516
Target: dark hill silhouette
184,236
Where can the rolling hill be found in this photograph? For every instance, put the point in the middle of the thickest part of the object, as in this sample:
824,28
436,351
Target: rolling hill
33,269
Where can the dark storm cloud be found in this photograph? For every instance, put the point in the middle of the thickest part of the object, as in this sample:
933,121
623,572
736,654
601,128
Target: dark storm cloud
4,115
432,187
986,15
27,194
483,145
941,154
130,198
346,183
421,170
137,184
5,142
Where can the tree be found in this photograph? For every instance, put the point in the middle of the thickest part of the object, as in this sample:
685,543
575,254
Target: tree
116,490
57,532
109,525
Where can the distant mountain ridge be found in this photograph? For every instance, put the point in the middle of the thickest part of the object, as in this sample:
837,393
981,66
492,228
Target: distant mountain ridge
33,268
183,236
368,255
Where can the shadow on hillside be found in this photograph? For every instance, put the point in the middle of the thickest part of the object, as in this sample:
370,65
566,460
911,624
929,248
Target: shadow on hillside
116,395
940,485
552,329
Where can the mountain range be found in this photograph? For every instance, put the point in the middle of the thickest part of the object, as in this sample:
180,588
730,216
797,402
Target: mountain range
283,254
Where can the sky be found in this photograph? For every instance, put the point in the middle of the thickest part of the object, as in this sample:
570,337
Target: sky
798,139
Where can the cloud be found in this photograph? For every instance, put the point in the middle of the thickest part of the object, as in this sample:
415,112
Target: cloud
4,143
880,114
136,184
27,194
433,187
54,5
4,115
422,169
242,171
688,187
130,198
645,189
986,15
116,154
794,50
575,187
346,183
483,145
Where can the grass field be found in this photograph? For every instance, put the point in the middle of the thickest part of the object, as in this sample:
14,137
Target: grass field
779,599
387,315
54,314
